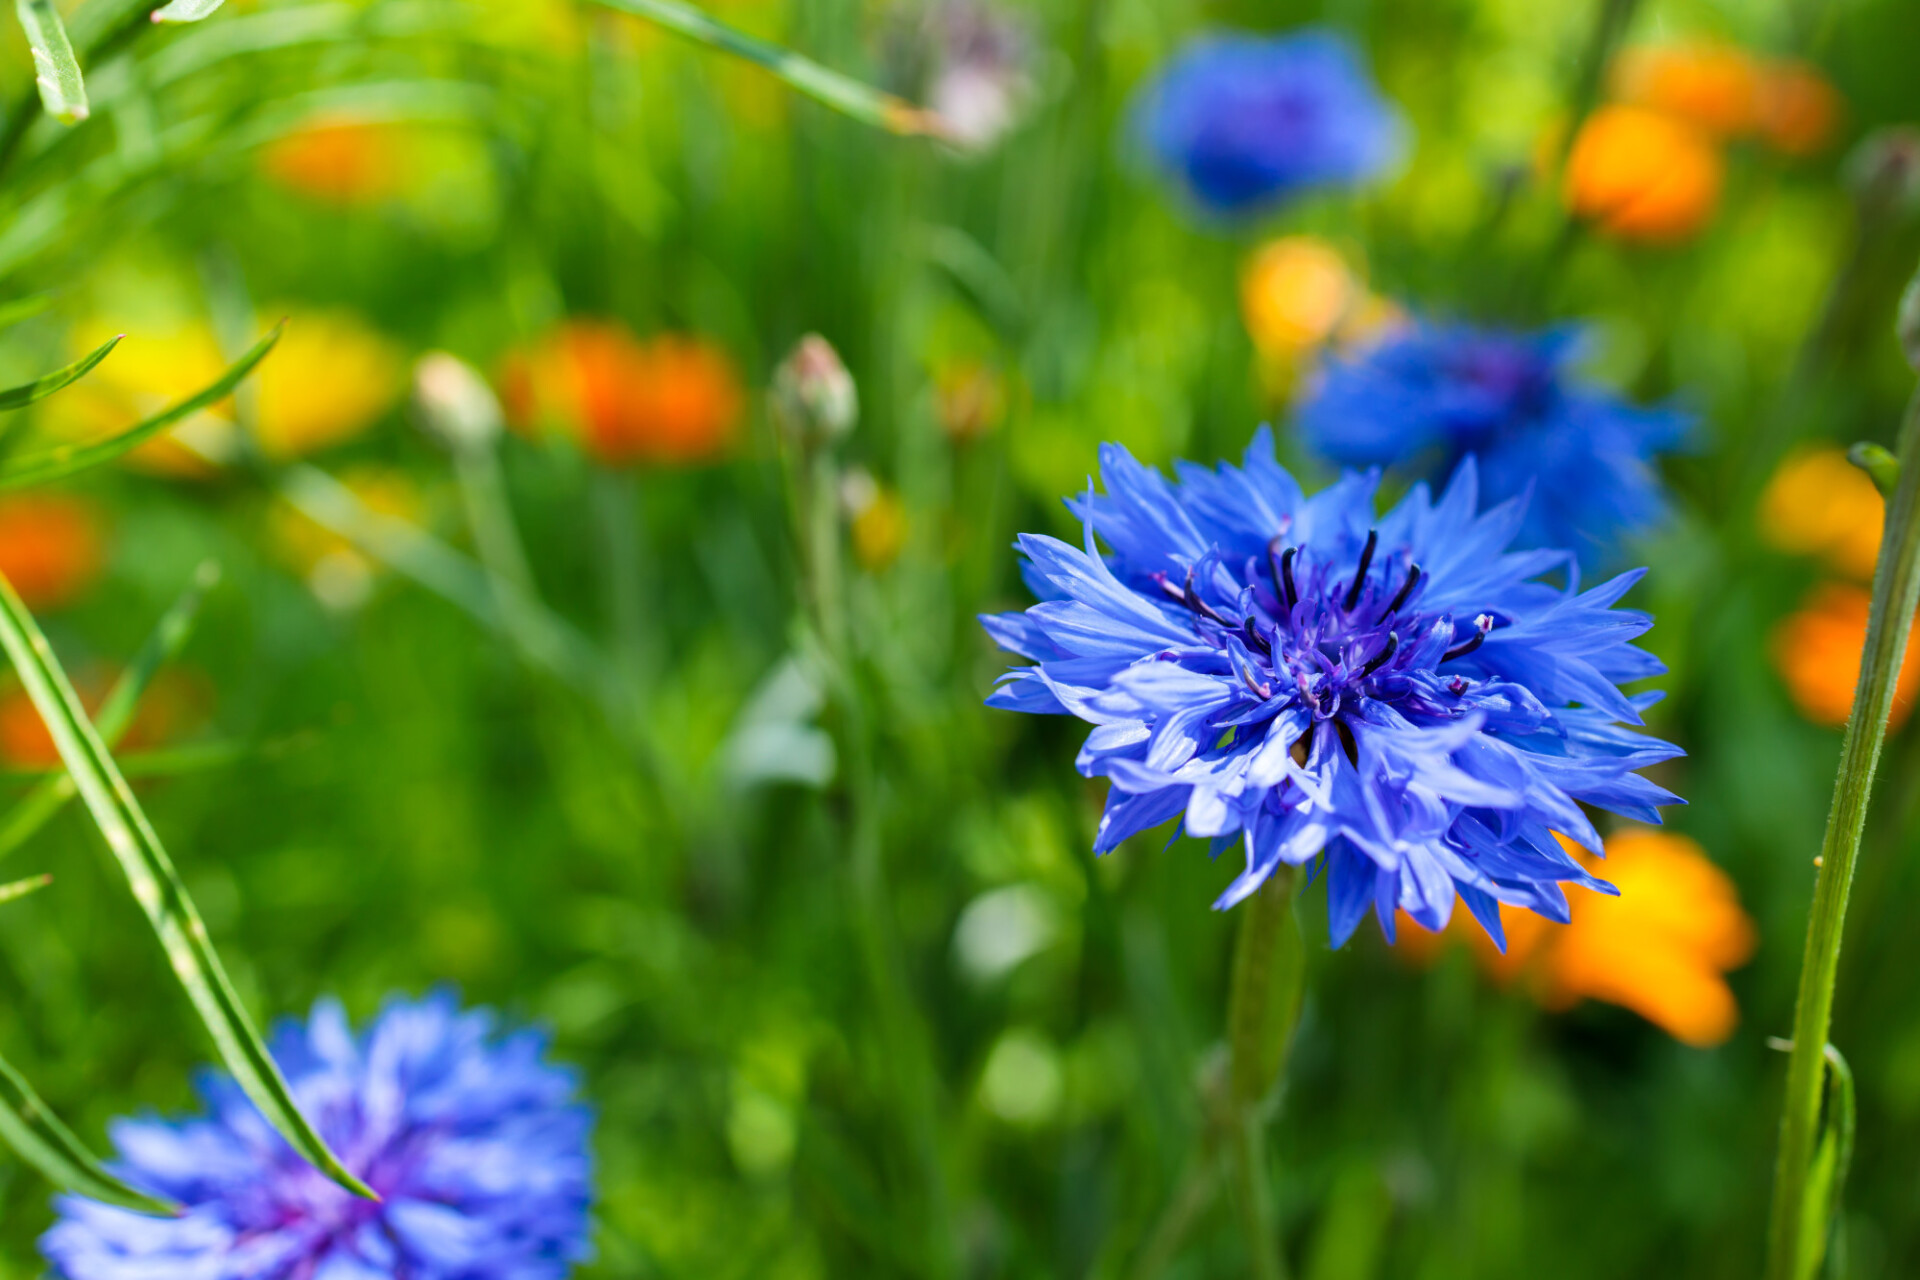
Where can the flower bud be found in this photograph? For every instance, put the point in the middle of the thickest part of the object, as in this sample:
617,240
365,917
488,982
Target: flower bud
455,405
813,398
1884,170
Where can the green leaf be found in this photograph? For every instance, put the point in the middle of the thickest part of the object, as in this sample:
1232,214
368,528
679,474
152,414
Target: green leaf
21,888
64,460
1879,463
40,388
186,10
157,886
843,93
37,1136
1826,1178
56,70
12,313
39,806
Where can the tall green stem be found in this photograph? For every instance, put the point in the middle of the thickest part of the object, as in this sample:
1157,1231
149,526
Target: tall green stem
1896,593
1262,1006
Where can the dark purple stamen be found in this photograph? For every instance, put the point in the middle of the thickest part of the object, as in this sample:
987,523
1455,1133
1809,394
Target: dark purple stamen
1406,590
1289,594
1255,640
1381,658
1360,574
1482,624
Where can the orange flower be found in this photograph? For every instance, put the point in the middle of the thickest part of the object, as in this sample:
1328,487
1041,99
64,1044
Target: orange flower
341,161
1817,652
1293,292
669,399
1642,175
172,703
1818,503
1715,87
1798,109
51,547
1659,949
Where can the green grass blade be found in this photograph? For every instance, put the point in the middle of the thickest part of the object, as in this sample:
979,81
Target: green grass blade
12,313
186,10
157,886
64,460
39,806
37,1136
21,888
55,69
40,388
843,93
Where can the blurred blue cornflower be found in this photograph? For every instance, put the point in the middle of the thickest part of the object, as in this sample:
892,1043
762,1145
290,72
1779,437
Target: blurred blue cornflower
1243,122
1432,394
473,1142
1295,674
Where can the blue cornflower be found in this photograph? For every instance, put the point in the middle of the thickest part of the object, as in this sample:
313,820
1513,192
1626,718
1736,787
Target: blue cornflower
1297,676
1243,122
1430,395
472,1140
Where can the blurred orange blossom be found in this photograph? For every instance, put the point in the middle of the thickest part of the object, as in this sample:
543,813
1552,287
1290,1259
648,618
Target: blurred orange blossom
1643,175
1818,503
667,399
1660,949
52,547
1816,650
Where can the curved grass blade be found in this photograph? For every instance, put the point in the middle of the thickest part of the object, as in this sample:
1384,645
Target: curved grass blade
64,460
157,887
21,888
186,10
39,806
843,93
40,388
37,1136
56,70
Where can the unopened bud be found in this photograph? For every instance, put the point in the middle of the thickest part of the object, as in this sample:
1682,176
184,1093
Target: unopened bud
455,404
1884,170
1907,326
813,397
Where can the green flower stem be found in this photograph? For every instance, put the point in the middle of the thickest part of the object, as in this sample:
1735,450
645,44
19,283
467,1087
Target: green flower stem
1896,593
1263,1005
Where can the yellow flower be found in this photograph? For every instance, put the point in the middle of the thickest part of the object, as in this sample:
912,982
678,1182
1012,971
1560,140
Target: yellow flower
1817,653
148,371
876,520
1660,949
969,398
1294,291
1643,175
1820,504
329,379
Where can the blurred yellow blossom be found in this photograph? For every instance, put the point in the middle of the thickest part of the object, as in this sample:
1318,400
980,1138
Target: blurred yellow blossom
329,379
52,547
667,399
1816,650
1818,503
151,369
1643,175
970,399
1294,291
876,520
1660,949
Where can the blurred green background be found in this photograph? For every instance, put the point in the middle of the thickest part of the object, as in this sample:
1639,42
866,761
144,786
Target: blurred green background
409,801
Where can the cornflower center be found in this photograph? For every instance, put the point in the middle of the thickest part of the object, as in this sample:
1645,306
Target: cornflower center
1329,634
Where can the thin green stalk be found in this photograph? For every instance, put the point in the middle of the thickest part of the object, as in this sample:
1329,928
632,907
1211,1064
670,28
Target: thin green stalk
843,93
1263,1004
1896,594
